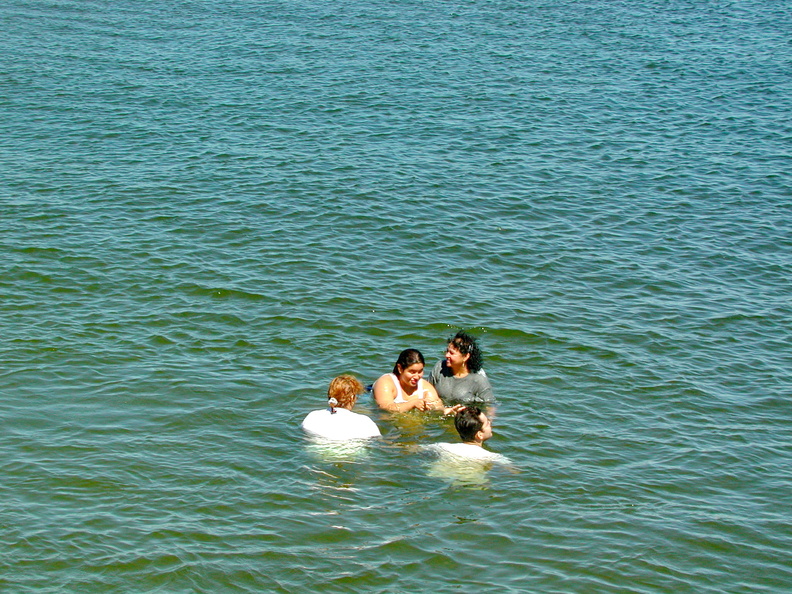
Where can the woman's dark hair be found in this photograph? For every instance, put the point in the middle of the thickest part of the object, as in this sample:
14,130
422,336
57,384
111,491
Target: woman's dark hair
466,344
468,422
406,358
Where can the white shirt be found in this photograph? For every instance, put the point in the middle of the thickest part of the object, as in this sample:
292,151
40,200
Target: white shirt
341,425
420,389
466,451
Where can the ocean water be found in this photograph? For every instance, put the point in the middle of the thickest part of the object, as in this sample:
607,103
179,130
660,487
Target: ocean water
210,209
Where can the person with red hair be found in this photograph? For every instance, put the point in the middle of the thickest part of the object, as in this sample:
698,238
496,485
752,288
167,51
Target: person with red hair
337,422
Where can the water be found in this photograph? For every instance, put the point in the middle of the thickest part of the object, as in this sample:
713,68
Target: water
211,209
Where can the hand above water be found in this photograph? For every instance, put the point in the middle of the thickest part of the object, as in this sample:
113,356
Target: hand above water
452,410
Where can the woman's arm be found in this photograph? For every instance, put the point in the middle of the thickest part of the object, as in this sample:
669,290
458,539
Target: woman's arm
483,389
433,400
434,376
484,395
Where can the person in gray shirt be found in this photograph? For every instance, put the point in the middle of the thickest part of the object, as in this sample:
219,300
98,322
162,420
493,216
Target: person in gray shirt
459,378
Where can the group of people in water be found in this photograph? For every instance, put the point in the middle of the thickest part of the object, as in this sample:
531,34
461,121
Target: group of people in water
457,385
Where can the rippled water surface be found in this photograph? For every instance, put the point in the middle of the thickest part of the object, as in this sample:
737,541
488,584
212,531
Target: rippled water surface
209,209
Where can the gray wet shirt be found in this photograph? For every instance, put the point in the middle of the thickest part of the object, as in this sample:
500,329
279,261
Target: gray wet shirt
474,388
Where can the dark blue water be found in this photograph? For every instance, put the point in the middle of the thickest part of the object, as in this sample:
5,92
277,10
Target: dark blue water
208,210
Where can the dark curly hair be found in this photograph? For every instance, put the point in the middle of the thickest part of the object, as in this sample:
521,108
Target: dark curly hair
466,344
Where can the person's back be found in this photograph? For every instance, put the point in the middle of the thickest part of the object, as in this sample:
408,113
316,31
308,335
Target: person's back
337,421
470,452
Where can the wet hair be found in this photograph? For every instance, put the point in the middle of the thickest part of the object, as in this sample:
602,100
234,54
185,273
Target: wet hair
344,389
468,422
466,344
406,358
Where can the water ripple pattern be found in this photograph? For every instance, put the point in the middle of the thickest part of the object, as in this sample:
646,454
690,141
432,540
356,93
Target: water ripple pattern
209,209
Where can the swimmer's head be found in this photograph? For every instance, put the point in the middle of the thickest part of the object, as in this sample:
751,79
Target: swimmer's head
467,345
407,358
472,425
344,390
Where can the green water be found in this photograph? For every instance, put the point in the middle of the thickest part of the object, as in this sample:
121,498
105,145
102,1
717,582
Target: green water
208,210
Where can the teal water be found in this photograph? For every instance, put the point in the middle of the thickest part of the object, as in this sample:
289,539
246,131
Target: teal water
210,209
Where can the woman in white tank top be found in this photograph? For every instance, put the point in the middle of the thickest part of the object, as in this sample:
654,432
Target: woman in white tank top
404,389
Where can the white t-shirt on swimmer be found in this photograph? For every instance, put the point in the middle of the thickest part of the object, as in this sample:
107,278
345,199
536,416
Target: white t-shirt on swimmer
341,425
466,451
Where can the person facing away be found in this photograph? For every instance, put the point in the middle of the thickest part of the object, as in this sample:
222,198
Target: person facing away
474,429
337,421
459,377
405,389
